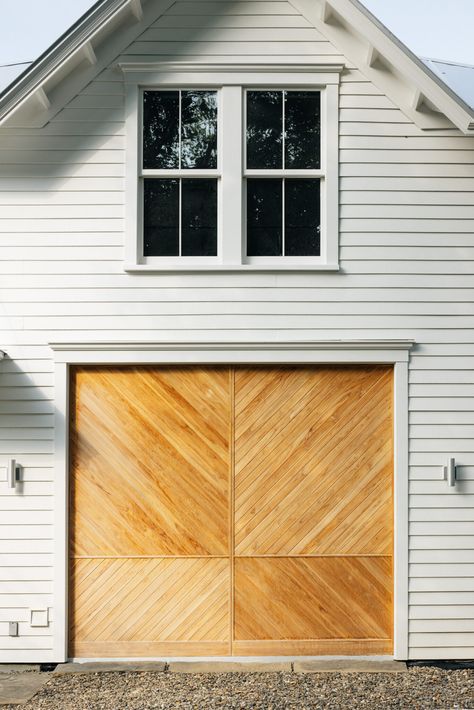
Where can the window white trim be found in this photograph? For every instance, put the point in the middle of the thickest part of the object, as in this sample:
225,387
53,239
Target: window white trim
394,352
230,81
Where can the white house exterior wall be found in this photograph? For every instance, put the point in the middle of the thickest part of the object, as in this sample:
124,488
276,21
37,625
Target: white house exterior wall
406,254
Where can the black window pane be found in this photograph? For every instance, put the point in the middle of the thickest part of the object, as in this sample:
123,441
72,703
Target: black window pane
302,130
161,218
160,129
199,129
199,217
264,217
264,129
302,218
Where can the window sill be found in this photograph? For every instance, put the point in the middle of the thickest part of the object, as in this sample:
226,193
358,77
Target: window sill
185,268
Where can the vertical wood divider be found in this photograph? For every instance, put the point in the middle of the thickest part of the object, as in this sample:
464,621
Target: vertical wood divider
231,506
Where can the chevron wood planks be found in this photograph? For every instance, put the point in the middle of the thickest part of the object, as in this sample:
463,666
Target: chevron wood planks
231,510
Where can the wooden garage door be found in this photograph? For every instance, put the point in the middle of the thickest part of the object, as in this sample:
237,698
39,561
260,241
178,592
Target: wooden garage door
221,510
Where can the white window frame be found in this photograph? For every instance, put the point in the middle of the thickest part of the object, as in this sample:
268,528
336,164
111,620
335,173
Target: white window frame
231,81
178,174
285,174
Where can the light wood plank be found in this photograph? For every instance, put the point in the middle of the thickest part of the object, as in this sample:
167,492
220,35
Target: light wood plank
148,601
150,461
314,461
313,598
314,647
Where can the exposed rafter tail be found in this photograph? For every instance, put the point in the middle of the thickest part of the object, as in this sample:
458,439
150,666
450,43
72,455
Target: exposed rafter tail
135,7
326,10
418,100
372,55
89,54
42,98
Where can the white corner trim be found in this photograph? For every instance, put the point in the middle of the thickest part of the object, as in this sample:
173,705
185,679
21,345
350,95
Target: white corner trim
400,511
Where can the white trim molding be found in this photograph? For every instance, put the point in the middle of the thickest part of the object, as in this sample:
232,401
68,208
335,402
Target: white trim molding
395,352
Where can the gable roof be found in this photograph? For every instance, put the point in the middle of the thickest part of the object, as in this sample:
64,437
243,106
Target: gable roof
76,58
459,77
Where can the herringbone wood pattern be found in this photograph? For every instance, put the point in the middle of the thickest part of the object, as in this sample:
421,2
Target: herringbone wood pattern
149,600
313,461
313,598
150,461
155,454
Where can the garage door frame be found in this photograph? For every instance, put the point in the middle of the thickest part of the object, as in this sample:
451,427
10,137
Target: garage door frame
391,352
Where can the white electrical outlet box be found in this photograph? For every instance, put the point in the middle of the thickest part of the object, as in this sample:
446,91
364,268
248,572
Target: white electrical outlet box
39,617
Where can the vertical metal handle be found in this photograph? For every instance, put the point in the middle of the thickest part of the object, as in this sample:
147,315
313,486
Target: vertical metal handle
451,472
12,473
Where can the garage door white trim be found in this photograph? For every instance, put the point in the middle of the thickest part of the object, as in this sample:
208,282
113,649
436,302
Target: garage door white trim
394,352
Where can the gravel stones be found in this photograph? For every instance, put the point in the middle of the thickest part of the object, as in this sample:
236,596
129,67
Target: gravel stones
419,688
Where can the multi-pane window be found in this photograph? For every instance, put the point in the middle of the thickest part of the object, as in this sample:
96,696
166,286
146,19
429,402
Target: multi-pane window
283,161
233,176
180,159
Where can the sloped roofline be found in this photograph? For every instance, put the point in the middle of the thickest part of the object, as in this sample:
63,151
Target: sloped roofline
431,89
68,44
415,59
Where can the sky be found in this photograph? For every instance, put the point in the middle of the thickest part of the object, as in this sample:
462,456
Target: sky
439,29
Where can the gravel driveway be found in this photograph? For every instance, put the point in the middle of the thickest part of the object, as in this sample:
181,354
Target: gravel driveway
417,688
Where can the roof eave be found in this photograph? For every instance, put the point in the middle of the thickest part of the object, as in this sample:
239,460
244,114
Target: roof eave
65,49
424,90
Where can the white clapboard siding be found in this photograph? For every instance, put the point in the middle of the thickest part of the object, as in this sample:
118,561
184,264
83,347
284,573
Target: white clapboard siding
206,306
24,629
407,257
441,625
441,542
24,546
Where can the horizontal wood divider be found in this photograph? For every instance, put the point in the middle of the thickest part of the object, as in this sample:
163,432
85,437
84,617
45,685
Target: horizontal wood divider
149,649
314,647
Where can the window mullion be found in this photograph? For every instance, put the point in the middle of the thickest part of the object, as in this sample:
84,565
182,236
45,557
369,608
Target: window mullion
283,138
231,188
180,125
180,217
283,196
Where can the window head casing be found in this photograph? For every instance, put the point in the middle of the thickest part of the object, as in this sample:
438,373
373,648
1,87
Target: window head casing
231,167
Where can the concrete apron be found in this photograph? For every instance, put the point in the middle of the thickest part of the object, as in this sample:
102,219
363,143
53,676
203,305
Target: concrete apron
238,666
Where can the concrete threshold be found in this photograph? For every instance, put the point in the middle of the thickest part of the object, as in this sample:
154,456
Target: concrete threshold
110,667
236,665
229,667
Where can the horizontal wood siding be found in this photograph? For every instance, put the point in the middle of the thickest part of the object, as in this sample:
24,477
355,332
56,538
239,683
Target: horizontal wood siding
407,256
